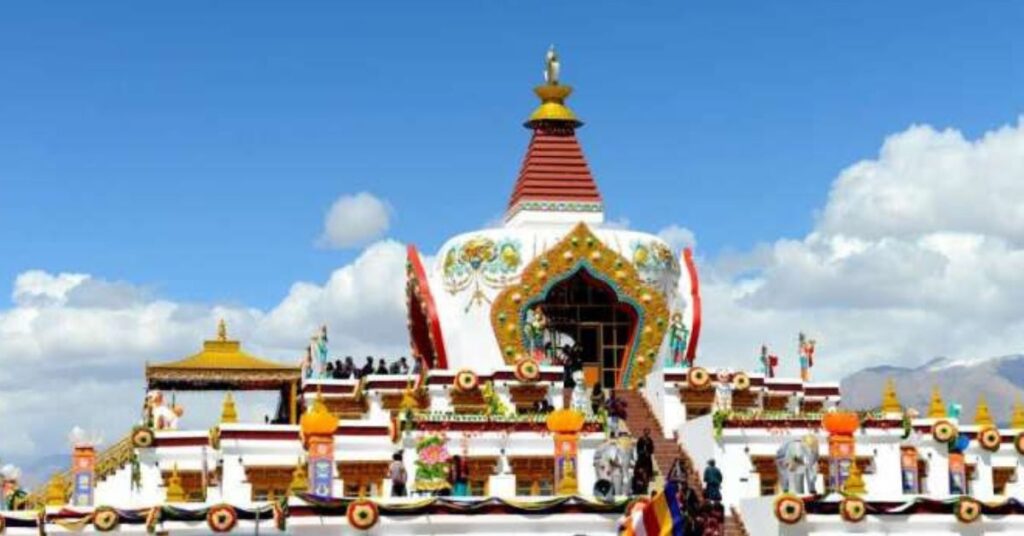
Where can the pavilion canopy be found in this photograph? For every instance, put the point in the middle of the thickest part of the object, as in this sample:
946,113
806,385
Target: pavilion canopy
222,365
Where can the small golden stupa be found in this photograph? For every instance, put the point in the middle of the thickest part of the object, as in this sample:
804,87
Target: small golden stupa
300,480
1017,417
854,485
175,493
982,417
57,491
937,408
228,412
890,403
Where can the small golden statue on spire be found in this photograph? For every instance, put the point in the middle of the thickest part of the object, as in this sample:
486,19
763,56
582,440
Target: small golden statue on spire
552,67
222,330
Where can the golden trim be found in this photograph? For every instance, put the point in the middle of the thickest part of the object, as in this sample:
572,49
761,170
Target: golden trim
582,250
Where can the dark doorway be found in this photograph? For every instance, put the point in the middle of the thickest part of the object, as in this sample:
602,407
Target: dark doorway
585,310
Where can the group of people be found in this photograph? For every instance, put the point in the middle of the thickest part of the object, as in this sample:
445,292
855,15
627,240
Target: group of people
345,370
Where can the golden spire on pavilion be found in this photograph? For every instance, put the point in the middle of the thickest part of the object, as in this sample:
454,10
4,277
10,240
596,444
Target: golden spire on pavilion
222,330
1017,417
982,417
890,403
552,95
228,413
937,409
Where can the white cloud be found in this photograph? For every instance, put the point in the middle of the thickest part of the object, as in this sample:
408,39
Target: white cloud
355,220
678,237
73,347
917,253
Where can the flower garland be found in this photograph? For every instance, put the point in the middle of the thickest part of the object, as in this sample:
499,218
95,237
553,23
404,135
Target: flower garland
853,509
362,514
698,378
990,439
944,431
105,519
221,518
465,381
789,509
142,437
967,510
527,370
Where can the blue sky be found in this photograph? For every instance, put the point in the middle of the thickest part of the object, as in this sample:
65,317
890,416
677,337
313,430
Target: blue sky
195,147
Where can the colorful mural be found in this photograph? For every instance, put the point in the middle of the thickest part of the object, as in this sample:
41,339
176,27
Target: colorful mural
653,259
481,262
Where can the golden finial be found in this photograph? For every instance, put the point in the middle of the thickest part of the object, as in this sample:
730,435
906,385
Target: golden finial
890,403
300,481
982,417
222,330
1017,417
552,96
228,413
937,408
175,493
854,484
57,491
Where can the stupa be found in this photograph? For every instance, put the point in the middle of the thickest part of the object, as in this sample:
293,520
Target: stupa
554,276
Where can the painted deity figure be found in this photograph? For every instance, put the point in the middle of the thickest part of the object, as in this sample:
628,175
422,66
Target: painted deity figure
318,348
768,362
536,323
307,363
678,339
806,351
580,397
723,393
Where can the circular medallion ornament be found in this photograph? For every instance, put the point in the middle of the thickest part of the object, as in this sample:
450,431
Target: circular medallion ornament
221,518
105,519
944,431
142,438
527,370
967,510
698,378
789,508
853,510
1018,443
741,382
990,439
466,380
362,514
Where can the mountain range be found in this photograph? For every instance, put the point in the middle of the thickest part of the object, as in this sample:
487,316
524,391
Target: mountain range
1000,380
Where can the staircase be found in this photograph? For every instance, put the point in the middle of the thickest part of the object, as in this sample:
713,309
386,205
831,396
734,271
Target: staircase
640,416
734,524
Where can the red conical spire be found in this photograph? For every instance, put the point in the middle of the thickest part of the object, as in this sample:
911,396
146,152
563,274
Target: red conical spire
555,177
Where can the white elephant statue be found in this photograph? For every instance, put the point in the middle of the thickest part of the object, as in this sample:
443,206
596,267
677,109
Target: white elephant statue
797,464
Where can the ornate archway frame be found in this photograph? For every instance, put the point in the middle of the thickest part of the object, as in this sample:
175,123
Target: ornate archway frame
582,250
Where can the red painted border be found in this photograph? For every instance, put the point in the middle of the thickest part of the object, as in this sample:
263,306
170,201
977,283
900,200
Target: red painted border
434,324
691,268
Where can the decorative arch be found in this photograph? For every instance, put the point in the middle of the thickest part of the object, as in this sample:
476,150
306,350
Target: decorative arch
582,250
424,327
